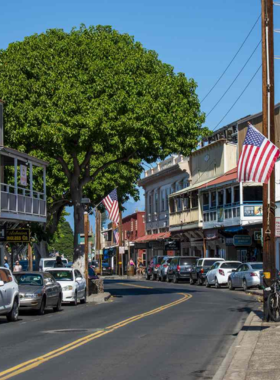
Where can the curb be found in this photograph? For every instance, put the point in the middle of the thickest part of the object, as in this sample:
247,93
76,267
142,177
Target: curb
222,370
107,297
255,292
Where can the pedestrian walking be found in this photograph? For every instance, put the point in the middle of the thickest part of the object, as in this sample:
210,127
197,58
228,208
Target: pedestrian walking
17,267
131,262
6,264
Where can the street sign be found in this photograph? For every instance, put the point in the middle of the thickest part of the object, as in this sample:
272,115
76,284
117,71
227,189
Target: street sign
258,235
242,240
2,233
277,227
18,236
85,200
121,250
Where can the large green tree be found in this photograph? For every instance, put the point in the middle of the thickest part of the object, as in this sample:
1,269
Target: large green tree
96,103
64,240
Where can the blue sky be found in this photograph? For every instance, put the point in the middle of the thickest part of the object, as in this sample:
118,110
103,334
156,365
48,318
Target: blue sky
198,38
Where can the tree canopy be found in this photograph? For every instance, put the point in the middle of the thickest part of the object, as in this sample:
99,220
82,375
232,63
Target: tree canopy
64,241
94,103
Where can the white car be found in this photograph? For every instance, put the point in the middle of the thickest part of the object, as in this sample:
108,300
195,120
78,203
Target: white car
219,273
48,263
9,295
73,284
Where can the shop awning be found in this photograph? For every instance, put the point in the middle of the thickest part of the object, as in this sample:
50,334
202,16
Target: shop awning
154,237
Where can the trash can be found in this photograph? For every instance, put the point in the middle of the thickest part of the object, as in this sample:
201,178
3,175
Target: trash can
130,270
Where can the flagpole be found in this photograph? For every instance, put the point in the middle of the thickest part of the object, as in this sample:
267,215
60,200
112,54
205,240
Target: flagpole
120,239
269,132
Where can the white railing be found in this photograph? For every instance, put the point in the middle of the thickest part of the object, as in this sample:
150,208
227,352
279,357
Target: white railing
20,201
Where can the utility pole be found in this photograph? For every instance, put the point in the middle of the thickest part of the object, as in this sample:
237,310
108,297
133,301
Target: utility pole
120,241
30,258
97,238
86,247
269,132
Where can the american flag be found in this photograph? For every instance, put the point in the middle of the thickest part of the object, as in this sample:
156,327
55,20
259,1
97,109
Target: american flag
257,158
112,206
117,235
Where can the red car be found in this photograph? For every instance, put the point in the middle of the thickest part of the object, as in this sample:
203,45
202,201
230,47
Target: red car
153,267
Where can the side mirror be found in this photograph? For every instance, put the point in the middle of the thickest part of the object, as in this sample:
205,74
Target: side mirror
79,279
2,283
234,270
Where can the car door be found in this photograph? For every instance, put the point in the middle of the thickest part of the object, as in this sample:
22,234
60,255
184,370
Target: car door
209,274
48,289
214,272
196,269
234,276
55,290
245,272
82,284
2,291
239,275
78,279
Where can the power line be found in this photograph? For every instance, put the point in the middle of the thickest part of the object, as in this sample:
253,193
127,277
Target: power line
227,90
231,60
248,84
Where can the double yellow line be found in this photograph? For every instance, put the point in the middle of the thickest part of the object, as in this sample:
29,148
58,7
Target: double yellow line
30,364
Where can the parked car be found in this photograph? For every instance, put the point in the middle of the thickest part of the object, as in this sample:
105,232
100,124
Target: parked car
153,267
73,284
180,268
162,271
199,270
106,268
9,295
219,273
48,263
38,290
247,275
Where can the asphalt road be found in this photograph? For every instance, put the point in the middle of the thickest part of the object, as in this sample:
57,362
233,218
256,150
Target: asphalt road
149,330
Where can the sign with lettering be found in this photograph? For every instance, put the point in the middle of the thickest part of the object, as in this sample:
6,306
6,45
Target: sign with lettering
2,233
18,236
23,175
253,210
242,240
277,227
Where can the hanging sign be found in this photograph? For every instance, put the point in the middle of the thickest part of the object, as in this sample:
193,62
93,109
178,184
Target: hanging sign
277,227
121,250
23,175
18,236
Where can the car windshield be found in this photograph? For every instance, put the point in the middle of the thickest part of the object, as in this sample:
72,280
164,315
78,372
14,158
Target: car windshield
62,275
230,265
50,263
187,261
209,263
257,266
29,279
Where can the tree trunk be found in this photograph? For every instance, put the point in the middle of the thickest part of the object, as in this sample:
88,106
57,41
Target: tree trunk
79,259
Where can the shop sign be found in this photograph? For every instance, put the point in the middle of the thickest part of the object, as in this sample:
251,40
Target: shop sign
229,242
242,240
23,175
173,245
253,210
211,236
197,243
121,250
258,235
277,227
18,236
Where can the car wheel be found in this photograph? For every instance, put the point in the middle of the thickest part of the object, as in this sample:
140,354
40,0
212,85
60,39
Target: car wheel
199,281
162,278
84,300
192,282
167,279
41,311
207,283
244,285
217,285
175,279
230,285
75,302
153,277
13,314
58,306
158,277
147,277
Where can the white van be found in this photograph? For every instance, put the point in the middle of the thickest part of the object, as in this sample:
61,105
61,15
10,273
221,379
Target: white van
48,263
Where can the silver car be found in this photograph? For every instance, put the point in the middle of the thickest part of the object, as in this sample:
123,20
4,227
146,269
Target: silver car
246,276
38,290
163,268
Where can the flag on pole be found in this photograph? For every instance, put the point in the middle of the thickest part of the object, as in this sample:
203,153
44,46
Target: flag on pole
257,158
112,206
117,236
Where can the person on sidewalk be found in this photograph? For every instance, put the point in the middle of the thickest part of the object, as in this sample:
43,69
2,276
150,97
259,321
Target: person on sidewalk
6,264
17,267
131,263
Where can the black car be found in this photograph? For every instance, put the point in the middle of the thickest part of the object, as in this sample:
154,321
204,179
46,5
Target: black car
180,268
198,271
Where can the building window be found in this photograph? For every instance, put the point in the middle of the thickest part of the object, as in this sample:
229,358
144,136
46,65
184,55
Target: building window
228,195
213,216
186,202
136,225
213,199
236,194
171,205
194,197
228,214
150,204
162,197
155,231
156,201
185,183
149,232
221,198
206,201
252,194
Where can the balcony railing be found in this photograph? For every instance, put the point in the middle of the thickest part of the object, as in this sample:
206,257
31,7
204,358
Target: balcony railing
21,201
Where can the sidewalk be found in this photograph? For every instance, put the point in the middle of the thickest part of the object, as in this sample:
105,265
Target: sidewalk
255,353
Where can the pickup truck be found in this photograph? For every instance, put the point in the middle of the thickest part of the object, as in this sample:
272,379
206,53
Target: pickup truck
198,271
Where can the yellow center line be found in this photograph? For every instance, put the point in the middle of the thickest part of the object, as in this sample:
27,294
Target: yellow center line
33,363
135,286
